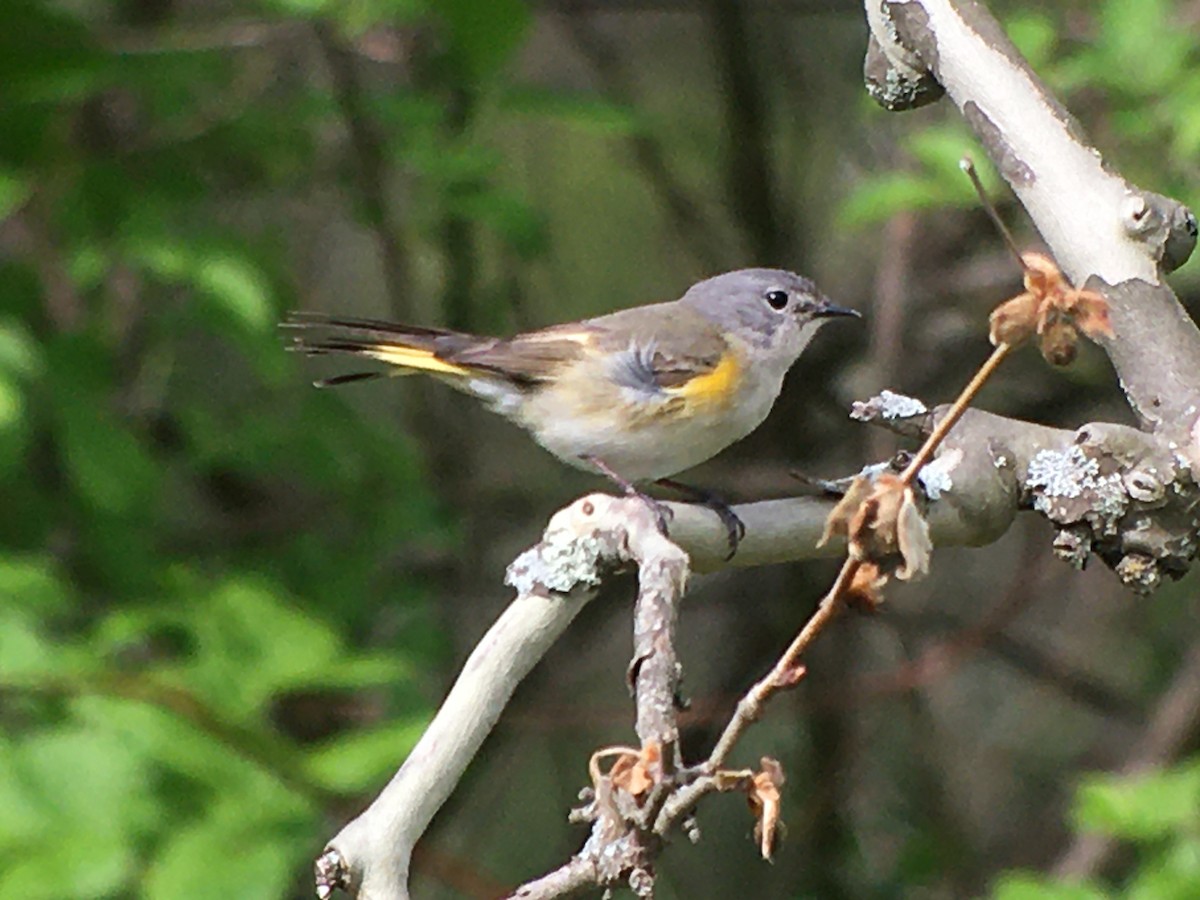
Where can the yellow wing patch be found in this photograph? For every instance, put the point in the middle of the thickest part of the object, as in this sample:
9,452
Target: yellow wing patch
412,358
715,388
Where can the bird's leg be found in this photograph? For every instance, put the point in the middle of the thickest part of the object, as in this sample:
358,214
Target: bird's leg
735,528
662,512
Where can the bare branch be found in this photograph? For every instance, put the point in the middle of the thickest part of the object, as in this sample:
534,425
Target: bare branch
583,542
1106,233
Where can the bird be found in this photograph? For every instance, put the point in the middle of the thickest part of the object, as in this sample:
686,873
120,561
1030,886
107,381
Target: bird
637,395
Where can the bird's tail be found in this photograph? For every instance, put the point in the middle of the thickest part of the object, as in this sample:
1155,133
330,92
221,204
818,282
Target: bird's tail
404,348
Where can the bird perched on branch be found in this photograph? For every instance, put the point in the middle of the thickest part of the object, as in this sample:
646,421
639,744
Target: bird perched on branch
636,395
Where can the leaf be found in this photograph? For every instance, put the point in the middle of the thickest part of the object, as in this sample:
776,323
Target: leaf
239,289
1028,886
14,190
878,199
361,760
837,523
91,778
193,756
46,54
912,539
587,112
484,33
109,467
252,643
1035,35
234,286
1144,807
234,843
73,862
1141,46
635,773
20,353
511,217
1170,874
765,803
14,425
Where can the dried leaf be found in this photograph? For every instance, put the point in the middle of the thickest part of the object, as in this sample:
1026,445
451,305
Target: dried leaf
880,518
634,772
912,538
837,524
873,528
765,804
865,591
1091,314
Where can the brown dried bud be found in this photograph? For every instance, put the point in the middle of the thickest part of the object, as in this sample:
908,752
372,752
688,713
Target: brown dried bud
1051,308
1060,341
1014,321
1090,312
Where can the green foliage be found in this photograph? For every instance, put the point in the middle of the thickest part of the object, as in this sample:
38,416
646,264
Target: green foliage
191,542
1156,813
936,179
1133,78
1144,808
1027,886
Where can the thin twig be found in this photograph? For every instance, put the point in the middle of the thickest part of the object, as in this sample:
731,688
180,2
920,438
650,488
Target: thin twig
954,414
749,708
787,670
968,166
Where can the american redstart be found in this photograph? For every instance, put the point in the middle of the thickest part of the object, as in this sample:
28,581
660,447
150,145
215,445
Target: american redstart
636,395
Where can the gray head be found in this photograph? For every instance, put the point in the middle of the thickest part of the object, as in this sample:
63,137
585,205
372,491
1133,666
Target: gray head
771,309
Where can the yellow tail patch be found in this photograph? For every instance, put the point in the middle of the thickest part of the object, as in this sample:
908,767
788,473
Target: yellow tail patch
412,358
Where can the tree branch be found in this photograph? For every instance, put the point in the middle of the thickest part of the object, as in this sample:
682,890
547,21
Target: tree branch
1106,233
554,579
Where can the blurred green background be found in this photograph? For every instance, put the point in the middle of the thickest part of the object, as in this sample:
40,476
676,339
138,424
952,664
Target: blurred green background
229,602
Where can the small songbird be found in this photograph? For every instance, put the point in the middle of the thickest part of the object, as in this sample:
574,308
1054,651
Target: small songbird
636,395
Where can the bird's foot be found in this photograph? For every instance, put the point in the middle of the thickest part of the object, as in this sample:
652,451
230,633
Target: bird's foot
735,528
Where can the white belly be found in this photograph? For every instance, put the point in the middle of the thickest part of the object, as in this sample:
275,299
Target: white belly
658,446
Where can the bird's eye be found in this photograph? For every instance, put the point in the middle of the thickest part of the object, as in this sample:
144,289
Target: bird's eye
777,299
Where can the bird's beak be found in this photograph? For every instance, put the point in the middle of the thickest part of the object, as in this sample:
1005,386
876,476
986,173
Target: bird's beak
827,310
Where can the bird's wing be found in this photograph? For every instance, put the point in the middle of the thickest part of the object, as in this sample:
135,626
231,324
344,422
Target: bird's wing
666,349
529,358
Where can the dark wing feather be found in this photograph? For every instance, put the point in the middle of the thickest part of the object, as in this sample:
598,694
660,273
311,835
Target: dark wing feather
527,358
